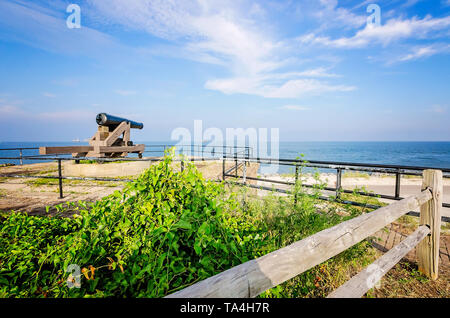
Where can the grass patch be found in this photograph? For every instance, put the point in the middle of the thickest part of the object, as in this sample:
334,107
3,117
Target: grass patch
360,198
38,182
47,172
3,179
405,280
445,226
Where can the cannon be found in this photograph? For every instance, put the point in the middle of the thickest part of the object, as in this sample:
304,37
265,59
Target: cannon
104,119
111,140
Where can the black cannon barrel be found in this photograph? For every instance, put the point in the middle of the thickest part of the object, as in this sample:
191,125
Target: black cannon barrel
105,119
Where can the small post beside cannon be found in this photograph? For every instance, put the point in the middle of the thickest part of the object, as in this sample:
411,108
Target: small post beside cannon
111,140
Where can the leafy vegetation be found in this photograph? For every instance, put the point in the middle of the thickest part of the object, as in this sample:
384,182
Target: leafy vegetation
163,232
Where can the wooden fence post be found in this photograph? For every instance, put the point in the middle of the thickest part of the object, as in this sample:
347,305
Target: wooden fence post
430,215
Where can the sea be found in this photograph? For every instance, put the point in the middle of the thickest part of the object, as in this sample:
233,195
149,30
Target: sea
423,154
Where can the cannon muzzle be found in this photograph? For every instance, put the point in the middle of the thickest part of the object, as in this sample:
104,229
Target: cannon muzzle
104,119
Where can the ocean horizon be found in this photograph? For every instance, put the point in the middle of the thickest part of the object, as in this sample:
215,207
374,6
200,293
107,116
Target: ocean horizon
409,153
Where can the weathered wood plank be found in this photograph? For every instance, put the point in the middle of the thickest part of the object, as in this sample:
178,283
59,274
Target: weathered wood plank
256,276
123,126
135,148
358,285
430,215
68,149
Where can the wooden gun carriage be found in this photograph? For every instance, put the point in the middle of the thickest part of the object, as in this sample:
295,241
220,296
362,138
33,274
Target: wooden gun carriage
111,140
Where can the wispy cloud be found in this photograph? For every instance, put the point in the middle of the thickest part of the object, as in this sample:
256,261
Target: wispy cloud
410,3
393,30
223,33
294,107
45,28
424,51
331,15
257,58
295,88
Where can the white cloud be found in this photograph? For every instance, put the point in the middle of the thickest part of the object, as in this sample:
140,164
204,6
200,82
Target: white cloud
418,53
410,3
294,88
421,52
223,33
45,28
294,107
301,87
316,72
393,30
333,16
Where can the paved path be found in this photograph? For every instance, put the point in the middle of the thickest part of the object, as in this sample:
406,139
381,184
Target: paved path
409,190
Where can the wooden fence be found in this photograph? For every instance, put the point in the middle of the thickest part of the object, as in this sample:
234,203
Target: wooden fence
256,276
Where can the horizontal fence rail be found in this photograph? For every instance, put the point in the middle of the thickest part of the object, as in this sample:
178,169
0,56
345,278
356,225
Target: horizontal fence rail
359,285
256,276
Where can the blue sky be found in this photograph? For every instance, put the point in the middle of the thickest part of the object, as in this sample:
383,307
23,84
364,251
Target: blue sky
314,69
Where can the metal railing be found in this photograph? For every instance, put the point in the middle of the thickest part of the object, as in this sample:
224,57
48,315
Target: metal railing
207,151
159,150
339,167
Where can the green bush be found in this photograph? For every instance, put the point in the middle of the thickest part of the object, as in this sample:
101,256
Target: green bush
166,231
161,233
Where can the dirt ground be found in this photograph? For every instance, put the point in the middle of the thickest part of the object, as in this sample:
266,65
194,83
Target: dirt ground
405,280
32,196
